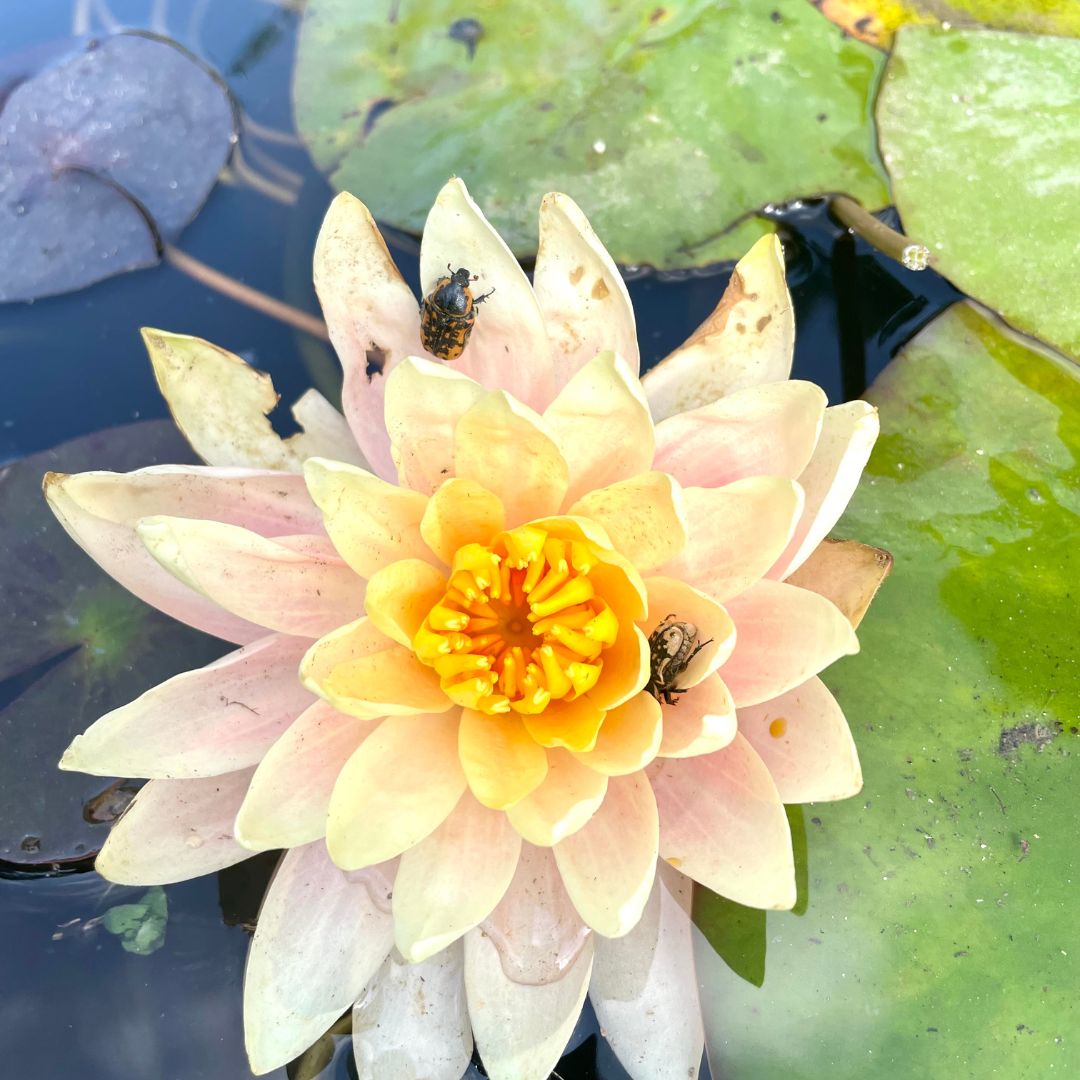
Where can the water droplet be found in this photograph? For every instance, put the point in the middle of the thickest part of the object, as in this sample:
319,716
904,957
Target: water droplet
916,257
599,146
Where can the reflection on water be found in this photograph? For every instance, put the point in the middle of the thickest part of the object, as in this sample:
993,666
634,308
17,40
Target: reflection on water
69,993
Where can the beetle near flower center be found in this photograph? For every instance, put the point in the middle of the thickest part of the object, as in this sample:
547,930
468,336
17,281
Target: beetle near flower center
520,625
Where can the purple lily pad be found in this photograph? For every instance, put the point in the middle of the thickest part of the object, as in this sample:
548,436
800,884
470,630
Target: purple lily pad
105,155
75,645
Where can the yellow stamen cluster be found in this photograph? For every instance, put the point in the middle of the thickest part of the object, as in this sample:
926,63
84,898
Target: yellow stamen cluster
520,624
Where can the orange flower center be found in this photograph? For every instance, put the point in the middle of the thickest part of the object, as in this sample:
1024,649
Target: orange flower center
520,624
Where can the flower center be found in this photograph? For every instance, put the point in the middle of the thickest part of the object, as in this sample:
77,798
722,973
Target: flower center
520,624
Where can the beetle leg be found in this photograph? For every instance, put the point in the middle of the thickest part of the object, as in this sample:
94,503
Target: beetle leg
695,652
482,298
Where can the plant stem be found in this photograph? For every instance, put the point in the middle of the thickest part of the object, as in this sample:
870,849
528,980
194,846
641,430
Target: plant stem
877,234
245,294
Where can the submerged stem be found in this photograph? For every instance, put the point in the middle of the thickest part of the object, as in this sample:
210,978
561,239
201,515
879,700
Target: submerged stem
877,234
245,294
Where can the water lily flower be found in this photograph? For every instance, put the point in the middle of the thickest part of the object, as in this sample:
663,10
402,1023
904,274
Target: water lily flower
527,646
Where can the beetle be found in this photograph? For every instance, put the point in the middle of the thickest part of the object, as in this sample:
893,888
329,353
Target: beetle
672,645
448,313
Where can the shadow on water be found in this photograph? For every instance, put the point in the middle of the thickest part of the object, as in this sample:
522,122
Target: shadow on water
69,994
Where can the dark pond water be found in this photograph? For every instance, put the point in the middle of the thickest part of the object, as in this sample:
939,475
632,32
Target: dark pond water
73,1002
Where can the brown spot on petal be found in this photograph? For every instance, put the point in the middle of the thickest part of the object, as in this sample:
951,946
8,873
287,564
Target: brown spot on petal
778,727
600,289
763,322
577,274
740,327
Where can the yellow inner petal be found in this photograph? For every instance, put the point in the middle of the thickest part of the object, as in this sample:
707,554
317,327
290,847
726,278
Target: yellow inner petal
521,624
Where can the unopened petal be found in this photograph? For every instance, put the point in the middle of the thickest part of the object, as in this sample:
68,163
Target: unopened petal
502,761
748,340
461,512
396,789
568,797
629,737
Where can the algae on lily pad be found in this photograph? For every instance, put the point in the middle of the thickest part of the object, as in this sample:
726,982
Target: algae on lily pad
980,132
75,645
670,124
938,939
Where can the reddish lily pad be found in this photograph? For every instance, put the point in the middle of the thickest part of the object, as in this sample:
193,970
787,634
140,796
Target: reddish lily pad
75,645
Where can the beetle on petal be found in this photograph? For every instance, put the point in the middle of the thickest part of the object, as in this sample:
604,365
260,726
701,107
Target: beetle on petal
672,645
448,314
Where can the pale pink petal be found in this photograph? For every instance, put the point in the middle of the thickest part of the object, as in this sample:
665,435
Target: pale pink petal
608,865
768,430
397,788
175,830
746,341
289,796
508,349
508,448
100,510
784,635
371,522
845,571
412,1022
461,512
715,630
644,987
568,797
723,824
644,516
734,533
700,721
535,929
847,437
372,316
451,881
424,402
221,404
581,292
297,585
217,719
521,1031
400,596
320,937
629,737
602,423
806,744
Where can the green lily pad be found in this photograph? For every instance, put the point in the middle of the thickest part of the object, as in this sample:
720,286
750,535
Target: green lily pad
141,925
938,939
980,131
670,124
75,645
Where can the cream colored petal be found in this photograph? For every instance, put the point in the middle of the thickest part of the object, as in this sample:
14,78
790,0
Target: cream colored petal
521,1030
847,573
289,795
452,880
715,630
644,988
746,341
847,437
784,635
213,720
768,430
320,936
806,744
461,512
424,402
723,824
602,423
293,585
100,510
411,1023
644,517
221,403
735,533
608,866
580,290
508,349
362,672
400,596
372,316
626,670
568,797
502,761
505,446
396,789
628,739
326,432
371,522
175,830
700,721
